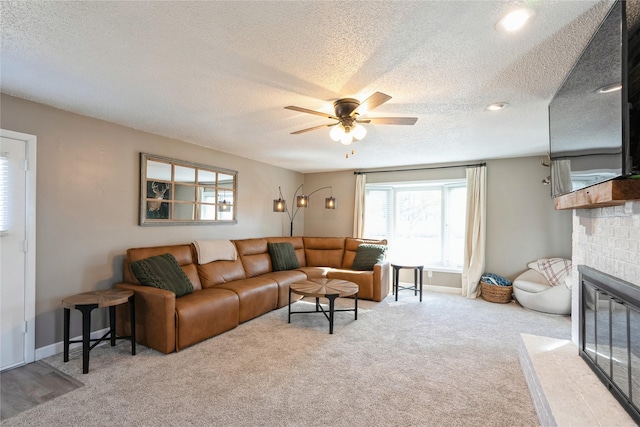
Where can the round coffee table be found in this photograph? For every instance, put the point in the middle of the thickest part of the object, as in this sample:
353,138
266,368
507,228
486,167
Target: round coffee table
325,288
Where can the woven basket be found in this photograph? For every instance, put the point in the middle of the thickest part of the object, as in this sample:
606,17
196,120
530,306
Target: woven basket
495,293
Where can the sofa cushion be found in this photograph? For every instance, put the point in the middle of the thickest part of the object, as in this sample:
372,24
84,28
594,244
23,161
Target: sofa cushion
257,296
204,314
323,251
284,279
254,255
283,256
367,256
163,272
184,254
217,272
298,246
351,248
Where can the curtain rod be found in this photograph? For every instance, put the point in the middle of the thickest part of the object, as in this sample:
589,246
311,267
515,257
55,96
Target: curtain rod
421,169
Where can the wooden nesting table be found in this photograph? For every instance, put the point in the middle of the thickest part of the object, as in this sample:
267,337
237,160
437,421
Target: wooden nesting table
88,301
325,288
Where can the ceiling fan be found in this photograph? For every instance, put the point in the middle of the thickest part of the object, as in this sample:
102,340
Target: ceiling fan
347,115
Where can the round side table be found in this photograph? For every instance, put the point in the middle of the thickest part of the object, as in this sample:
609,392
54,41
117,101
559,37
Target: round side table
85,303
396,279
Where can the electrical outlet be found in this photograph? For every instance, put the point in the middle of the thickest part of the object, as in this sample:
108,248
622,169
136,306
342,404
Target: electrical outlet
429,273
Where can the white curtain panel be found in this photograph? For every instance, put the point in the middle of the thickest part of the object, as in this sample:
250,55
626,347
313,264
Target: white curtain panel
475,233
561,176
358,212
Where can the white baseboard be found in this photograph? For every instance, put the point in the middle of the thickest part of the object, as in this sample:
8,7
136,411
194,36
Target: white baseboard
434,288
442,289
56,348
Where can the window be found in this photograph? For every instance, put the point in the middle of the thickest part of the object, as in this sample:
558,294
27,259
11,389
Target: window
423,222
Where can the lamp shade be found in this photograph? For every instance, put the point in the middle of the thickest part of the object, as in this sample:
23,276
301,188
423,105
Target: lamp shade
330,203
302,201
224,206
279,205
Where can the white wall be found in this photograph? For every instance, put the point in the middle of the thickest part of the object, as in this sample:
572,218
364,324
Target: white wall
321,222
88,197
522,224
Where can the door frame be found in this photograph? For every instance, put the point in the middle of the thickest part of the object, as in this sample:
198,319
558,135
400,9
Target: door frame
30,142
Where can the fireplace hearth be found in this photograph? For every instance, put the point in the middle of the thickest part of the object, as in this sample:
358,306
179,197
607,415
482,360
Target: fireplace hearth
609,336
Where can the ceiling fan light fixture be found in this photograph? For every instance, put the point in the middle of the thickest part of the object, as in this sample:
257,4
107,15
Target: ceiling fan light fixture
346,128
359,132
346,139
336,133
515,20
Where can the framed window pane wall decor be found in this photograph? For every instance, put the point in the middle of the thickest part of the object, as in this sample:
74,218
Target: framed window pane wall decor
176,192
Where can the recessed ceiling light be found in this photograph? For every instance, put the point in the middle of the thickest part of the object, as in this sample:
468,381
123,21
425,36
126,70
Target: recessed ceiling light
497,106
610,88
515,20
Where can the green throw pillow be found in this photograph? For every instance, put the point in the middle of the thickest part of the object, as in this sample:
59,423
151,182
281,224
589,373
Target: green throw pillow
163,272
283,256
367,256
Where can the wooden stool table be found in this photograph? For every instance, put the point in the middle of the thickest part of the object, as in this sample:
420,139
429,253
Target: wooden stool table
325,288
86,302
396,279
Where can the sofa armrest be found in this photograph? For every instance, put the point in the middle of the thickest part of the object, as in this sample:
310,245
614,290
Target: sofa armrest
155,317
381,278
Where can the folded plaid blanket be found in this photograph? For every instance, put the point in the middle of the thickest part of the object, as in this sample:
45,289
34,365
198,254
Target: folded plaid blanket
554,269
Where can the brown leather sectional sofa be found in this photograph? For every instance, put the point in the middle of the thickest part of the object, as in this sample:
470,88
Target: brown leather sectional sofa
227,293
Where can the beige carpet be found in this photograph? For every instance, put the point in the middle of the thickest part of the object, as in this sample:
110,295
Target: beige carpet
447,361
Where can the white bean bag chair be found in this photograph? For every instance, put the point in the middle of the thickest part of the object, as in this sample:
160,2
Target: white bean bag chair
532,290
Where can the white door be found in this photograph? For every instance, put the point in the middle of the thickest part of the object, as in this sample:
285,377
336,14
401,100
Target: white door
17,299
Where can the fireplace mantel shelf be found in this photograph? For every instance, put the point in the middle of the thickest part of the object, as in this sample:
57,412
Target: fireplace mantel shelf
610,193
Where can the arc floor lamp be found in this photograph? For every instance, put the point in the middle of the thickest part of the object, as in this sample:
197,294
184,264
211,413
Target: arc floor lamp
302,201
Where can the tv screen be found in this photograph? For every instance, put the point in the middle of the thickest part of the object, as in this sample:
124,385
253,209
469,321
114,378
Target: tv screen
593,130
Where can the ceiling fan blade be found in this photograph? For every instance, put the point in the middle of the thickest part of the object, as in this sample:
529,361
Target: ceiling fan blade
375,100
391,120
317,113
313,128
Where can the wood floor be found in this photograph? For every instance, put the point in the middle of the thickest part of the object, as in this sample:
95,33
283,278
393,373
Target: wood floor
27,386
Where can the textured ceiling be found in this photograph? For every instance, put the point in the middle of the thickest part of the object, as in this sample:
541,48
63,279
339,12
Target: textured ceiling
219,74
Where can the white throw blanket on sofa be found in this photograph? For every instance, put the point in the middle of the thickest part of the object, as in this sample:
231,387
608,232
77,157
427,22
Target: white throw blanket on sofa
215,250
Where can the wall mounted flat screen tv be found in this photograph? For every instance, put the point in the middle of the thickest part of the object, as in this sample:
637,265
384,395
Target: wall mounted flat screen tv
594,117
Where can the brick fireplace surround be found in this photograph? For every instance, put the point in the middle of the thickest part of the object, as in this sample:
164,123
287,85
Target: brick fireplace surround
564,390
608,240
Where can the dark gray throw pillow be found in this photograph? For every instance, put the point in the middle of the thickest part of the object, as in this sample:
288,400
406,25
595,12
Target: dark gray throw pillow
367,255
283,256
163,272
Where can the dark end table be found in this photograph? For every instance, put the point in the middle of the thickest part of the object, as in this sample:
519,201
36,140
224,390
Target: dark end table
396,279
88,301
